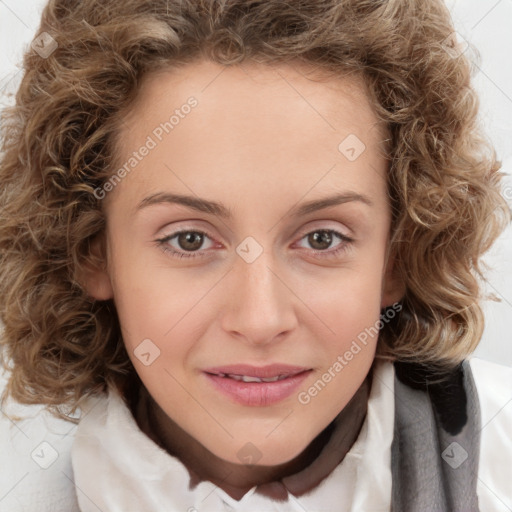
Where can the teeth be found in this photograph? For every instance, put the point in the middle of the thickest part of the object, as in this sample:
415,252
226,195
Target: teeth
273,379
246,378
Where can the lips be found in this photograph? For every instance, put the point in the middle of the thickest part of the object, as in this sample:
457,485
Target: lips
253,386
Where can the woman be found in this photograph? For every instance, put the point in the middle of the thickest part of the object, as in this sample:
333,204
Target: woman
248,235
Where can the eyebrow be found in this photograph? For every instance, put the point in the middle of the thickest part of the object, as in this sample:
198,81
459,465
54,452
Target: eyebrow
220,210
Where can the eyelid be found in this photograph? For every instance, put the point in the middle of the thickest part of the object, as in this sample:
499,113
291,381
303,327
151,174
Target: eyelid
195,225
344,230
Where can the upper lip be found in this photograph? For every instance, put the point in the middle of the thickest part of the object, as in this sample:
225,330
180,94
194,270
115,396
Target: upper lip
269,371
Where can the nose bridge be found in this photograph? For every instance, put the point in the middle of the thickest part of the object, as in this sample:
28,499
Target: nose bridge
259,306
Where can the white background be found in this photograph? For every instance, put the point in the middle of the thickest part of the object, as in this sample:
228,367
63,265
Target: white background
483,23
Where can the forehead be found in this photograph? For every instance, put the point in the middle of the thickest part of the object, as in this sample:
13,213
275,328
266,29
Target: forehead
255,122
293,88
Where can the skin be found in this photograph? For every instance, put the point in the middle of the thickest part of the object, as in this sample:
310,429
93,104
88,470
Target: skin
262,140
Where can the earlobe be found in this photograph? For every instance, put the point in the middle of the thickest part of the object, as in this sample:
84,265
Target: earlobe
95,277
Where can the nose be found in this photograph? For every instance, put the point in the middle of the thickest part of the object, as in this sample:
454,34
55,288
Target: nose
260,307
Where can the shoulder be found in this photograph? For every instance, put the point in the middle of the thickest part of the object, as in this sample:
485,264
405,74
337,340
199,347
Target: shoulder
494,386
36,472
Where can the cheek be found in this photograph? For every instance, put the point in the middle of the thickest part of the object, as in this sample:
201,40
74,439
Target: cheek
347,300
354,328
349,308
151,299
352,316
162,314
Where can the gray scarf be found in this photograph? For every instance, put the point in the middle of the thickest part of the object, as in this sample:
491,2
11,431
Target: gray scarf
436,443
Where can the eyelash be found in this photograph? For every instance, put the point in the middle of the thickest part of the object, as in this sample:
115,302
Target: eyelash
163,243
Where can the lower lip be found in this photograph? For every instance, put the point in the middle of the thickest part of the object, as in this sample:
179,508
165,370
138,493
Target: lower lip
257,394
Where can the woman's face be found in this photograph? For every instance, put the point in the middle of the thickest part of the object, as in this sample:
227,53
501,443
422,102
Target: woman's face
247,239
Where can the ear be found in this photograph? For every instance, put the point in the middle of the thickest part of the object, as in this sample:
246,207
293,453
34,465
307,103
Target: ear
95,277
393,287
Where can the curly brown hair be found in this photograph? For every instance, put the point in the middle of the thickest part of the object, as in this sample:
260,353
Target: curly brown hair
59,146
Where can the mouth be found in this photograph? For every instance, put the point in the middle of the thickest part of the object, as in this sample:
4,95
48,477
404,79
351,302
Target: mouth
253,386
272,371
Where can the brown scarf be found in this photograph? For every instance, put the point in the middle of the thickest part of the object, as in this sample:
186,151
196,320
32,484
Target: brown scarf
331,445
